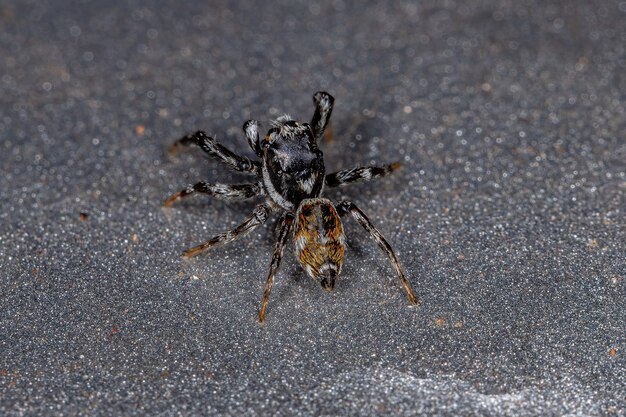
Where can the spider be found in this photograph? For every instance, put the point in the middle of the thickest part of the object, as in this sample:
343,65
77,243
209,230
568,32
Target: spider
291,177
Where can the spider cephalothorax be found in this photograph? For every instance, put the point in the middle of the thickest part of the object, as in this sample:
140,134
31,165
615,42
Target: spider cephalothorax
291,177
293,165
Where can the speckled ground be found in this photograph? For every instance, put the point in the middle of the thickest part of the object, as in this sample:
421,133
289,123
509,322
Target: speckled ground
508,214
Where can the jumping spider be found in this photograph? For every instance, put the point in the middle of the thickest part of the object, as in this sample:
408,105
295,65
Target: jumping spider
291,177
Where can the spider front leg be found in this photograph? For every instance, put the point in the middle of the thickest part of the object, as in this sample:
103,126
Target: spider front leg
349,207
323,109
217,151
358,174
283,236
257,218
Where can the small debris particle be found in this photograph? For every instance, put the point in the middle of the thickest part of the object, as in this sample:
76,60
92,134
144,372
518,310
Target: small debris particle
134,238
83,216
408,109
612,352
440,321
140,130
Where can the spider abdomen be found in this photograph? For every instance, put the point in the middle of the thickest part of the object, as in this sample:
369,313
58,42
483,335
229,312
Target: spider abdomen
319,240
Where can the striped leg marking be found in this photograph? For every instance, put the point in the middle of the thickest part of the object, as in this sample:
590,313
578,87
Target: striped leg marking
283,236
359,174
217,151
221,191
257,218
349,207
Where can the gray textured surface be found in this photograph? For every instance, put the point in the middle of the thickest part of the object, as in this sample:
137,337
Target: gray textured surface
508,214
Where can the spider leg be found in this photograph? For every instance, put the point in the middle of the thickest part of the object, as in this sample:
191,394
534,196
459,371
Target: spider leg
217,151
285,229
348,207
221,191
323,109
251,130
358,174
257,218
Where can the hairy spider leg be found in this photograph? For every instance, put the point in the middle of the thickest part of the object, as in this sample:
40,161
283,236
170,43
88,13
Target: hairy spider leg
257,218
251,130
348,207
323,109
221,191
285,229
217,151
359,174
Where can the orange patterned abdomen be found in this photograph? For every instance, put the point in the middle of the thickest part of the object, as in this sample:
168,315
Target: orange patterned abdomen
319,240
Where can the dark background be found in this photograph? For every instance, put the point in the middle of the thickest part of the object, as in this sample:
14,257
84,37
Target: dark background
508,213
